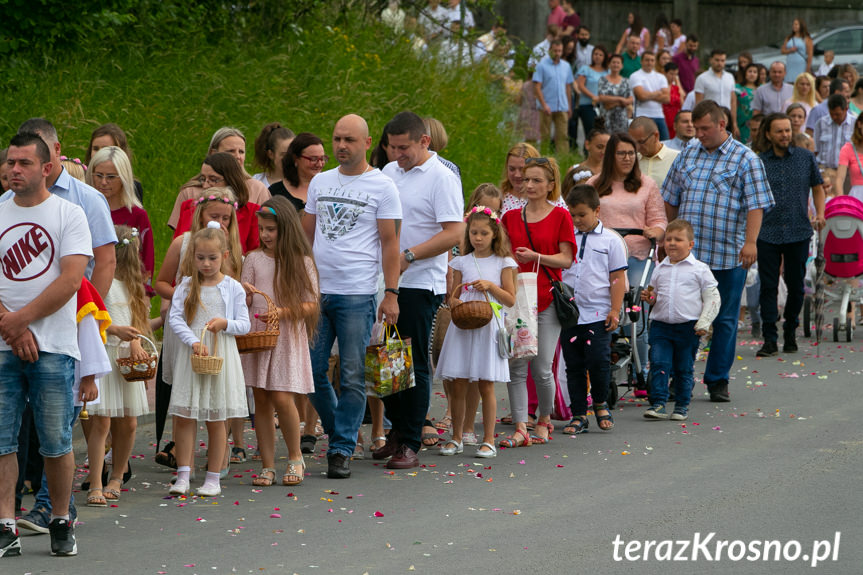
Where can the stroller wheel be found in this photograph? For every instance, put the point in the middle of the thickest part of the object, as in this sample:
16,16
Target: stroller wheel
835,329
849,330
612,395
807,317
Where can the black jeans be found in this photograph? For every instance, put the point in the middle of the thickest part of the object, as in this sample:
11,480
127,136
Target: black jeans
770,259
407,409
589,352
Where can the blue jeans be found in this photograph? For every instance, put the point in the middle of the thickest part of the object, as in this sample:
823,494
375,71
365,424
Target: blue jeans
349,319
43,498
663,132
724,342
47,384
407,410
672,349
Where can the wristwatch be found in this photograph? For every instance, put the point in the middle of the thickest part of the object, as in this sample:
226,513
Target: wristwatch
409,256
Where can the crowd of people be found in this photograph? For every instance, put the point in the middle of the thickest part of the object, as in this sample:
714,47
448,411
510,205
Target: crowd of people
387,239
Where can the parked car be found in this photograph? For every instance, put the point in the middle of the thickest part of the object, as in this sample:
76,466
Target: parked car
844,38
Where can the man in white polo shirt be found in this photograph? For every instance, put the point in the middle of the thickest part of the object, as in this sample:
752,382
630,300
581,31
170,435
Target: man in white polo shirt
718,85
433,208
651,92
351,219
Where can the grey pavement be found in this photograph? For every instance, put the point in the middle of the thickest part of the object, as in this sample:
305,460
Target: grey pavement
782,462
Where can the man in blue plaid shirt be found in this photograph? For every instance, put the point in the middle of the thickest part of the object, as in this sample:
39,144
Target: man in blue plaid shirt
721,188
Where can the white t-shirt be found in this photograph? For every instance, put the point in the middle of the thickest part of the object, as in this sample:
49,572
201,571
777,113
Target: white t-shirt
652,82
720,90
32,242
430,195
347,246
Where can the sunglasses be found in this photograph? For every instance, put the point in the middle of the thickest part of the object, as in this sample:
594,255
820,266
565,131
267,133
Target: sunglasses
537,161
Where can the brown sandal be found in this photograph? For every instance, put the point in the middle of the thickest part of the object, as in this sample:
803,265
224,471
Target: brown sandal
265,478
295,473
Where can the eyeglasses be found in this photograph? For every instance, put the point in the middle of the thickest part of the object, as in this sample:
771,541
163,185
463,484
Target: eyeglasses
212,180
110,178
645,140
537,161
625,153
316,160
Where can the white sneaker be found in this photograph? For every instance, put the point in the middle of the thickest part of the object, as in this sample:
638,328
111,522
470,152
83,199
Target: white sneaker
209,490
180,487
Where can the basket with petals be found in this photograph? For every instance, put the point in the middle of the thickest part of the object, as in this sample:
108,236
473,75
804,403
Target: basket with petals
207,364
256,341
139,370
470,314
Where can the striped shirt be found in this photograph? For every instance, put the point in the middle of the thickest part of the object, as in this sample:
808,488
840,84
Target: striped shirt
830,137
714,191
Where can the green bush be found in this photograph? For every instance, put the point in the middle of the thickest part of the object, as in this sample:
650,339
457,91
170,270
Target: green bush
171,96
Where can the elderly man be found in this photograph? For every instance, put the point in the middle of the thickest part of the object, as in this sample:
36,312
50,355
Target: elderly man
720,187
45,246
656,158
351,219
770,98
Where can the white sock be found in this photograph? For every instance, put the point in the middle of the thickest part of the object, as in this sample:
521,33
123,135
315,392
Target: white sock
10,523
64,517
212,479
183,473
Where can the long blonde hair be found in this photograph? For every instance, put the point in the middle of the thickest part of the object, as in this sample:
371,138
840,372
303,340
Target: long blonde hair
795,93
129,271
190,306
235,248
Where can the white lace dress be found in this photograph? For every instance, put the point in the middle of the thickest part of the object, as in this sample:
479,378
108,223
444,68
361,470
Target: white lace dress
208,397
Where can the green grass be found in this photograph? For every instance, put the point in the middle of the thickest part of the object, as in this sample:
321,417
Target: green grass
171,98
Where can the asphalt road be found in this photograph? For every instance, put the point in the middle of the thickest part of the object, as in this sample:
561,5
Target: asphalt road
781,462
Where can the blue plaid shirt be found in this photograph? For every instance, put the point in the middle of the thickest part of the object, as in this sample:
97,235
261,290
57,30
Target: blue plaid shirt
790,176
714,191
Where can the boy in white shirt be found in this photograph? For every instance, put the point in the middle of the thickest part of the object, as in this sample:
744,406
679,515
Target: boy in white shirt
684,301
598,278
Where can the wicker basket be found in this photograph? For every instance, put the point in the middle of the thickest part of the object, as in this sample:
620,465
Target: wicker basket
207,364
255,341
133,370
470,314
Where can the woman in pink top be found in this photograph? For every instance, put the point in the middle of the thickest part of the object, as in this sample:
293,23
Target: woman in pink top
629,199
851,162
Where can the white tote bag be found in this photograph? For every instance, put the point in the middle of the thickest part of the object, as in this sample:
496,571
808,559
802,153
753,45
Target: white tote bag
521,319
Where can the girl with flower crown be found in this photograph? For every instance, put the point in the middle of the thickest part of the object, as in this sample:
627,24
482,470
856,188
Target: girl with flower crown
120,401
486,270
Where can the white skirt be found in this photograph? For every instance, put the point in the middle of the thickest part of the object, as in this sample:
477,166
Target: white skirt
118,397
208,397
472,354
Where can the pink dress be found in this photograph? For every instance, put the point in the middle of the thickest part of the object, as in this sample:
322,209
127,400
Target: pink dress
288,367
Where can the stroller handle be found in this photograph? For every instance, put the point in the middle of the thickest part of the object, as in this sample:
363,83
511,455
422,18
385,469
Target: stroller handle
634,295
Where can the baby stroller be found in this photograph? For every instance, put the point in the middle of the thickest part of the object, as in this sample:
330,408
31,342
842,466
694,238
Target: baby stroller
626,365
836,273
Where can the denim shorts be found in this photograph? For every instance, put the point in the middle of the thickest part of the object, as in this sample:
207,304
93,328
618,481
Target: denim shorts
47,385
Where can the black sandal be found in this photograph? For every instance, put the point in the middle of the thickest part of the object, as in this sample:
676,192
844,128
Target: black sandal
601,418
166,456
578,424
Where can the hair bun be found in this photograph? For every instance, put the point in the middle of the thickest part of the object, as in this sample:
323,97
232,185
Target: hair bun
214,225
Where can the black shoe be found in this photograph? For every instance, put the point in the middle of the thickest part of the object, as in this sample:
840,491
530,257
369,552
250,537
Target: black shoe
790,344
719,393
338,466
769,349
307,443
62,538
10,543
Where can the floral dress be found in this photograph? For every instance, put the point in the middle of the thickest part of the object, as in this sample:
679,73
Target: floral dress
616,119
744,110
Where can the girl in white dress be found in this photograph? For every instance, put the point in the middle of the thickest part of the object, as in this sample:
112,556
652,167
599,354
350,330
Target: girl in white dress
212,301
121,401
472,355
